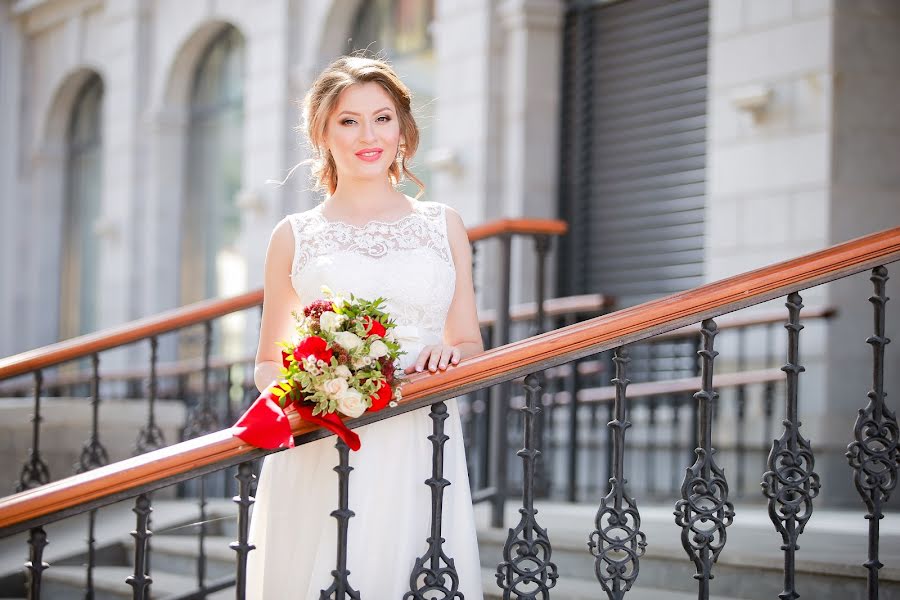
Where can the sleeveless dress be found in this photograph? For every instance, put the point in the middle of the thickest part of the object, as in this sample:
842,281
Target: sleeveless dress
409,263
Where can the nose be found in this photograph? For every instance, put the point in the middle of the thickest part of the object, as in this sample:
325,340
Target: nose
367,132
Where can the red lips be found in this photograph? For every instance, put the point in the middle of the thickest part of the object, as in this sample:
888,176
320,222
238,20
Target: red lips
373,154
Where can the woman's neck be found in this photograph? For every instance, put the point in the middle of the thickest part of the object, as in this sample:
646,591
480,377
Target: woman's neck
366,200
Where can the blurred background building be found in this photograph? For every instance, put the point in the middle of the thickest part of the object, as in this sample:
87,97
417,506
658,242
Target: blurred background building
682,141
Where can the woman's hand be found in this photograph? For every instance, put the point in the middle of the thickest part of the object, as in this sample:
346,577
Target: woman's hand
436,356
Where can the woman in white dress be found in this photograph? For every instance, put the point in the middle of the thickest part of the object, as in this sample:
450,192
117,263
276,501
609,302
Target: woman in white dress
368,239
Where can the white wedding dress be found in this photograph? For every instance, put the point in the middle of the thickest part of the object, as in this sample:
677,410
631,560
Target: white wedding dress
408,262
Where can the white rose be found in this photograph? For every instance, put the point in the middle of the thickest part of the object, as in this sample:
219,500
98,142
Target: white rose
330,320
351,403
358,363
343,371
347,339
335,387
378,349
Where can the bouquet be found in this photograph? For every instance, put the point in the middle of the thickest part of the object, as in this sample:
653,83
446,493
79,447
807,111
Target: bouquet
341,360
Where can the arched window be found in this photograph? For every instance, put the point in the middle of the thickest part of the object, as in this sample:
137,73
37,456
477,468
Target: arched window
211,265
80,252
401,29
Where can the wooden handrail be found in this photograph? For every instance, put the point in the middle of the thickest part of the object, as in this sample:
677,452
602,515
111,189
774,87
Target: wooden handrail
200,312
521,312
584,303
106,484
517,227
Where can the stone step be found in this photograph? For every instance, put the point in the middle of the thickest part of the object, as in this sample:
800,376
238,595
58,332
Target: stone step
178,554
828,566
68,583
584,589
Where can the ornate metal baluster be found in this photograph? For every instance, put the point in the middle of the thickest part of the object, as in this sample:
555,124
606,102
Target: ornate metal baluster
243,546
203,418
768,411
573,384
340,588
201,538
618,543
93,455
35,567
790,484
874,454
35,471
652,446
500,393
526,570
676,440
739,444
151,436
141,580
426,581
704,511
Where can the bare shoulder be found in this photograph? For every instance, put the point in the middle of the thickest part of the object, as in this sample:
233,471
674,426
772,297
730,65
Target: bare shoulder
457,234
281,242
455,225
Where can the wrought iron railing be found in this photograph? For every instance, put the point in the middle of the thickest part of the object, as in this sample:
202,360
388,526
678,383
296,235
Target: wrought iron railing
527,568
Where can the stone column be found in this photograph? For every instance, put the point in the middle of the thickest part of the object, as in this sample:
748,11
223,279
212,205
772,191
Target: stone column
530,118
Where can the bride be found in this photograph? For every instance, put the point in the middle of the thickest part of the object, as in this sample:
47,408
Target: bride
368,239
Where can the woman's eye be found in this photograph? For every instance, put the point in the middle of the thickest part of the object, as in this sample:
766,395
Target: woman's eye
385,117
345,121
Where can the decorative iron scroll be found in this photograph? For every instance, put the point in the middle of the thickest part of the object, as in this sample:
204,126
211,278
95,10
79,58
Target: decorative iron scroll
203,418
35,567
439,579
618,543
151,436
141,580
874,454
340,588
790,484
526,572
93,453
704,511
35,471
243,546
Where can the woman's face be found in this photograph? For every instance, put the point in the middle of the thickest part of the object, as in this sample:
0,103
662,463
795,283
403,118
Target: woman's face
363,132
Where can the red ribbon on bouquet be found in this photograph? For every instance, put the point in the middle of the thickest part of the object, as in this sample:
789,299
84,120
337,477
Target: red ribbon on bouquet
265,424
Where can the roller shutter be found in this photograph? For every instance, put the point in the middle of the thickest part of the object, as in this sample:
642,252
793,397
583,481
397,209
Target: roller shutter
633,151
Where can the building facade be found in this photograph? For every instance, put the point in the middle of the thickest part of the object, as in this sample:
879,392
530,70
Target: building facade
141,139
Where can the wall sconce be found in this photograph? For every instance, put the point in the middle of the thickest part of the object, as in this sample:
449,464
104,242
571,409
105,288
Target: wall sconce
444,159
753,99
106,228
249,201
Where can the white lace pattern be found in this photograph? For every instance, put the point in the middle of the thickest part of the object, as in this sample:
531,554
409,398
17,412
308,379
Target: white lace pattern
407,262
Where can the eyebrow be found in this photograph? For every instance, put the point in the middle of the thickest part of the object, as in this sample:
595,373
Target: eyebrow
350,112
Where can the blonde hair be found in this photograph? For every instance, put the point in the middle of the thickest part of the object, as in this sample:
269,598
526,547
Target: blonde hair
321,101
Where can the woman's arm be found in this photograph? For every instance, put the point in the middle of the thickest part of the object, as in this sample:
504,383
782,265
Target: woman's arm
279,299
461,329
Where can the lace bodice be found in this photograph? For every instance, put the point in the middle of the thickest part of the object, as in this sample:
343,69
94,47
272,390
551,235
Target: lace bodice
407,262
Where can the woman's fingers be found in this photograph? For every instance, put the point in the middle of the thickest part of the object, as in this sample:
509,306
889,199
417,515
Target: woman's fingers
434,357
446,357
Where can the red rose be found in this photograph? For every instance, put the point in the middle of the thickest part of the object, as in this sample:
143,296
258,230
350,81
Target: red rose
313,346
382,397
373,327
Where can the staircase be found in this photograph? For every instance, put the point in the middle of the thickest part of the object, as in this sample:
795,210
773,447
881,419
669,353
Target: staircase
749,568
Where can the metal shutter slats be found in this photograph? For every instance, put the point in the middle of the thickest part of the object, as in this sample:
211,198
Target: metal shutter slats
634,148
